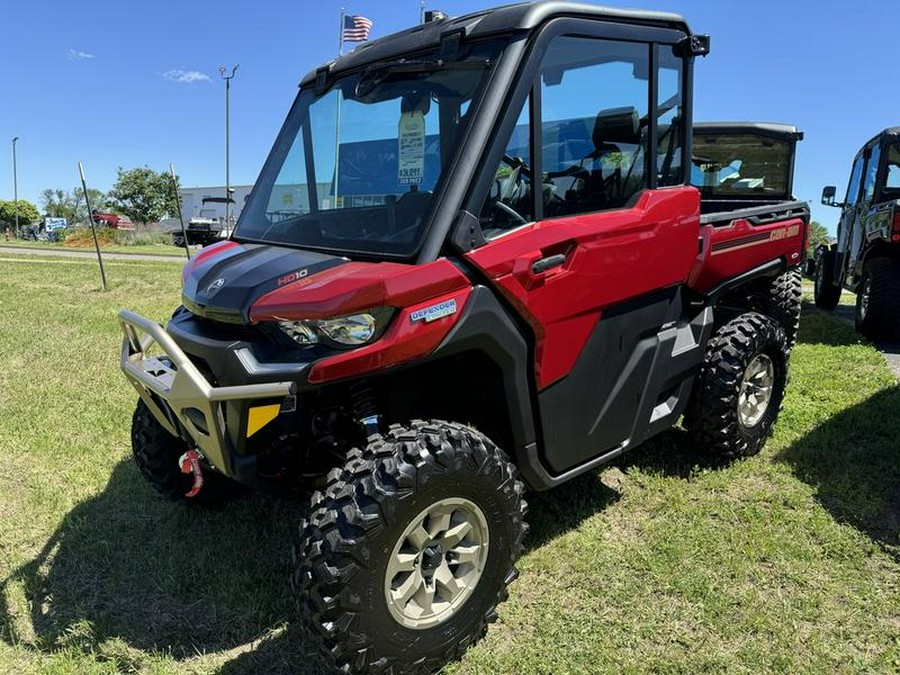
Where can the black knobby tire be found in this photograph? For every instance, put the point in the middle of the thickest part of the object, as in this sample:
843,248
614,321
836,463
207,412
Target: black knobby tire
826,293
784,298
341,559
878,300
156,453
712,417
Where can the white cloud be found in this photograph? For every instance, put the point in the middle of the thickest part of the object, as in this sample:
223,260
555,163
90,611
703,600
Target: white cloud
77,55
186,76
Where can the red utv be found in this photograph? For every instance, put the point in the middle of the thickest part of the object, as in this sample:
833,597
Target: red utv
473,262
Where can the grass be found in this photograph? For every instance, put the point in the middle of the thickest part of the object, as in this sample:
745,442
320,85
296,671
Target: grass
666,562
156,248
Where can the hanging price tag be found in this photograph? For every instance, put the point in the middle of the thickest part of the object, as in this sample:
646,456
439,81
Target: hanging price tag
411,150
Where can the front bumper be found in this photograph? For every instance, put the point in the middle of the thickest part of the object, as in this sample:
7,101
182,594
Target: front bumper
178,394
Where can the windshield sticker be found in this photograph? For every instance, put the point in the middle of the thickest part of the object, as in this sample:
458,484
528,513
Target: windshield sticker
411,139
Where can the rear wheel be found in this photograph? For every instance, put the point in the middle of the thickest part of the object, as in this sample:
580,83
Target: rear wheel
826,293
878,300
156,453
737,395
784,298
409,549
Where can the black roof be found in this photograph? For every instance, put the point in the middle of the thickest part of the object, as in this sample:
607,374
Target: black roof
889,134
786,132
500,20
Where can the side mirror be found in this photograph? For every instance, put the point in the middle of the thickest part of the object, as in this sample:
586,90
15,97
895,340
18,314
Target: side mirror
828,193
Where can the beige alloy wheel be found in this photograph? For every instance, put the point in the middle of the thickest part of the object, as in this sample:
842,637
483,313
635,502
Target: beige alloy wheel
436,563
756,390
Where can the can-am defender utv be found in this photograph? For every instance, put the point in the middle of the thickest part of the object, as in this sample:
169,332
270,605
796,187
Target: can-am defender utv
472,263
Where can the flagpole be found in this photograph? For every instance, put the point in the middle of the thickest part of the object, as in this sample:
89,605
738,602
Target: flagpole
421,11
337,126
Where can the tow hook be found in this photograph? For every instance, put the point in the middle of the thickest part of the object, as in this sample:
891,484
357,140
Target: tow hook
190,463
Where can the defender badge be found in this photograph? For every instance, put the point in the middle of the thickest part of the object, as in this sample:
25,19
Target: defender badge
435,312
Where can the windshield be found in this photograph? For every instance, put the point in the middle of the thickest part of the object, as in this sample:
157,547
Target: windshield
355,168
741,165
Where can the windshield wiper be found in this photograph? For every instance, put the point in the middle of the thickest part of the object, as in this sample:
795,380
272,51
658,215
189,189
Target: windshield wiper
377,73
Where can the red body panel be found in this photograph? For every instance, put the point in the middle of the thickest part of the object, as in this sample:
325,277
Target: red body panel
610,257
404,341
740,246
357,286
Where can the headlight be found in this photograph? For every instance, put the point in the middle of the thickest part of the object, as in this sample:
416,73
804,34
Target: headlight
356,329
352,330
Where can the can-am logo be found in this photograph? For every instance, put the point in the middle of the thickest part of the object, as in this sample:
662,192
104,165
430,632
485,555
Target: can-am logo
213,288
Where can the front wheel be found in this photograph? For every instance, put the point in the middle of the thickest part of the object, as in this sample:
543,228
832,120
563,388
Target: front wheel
409,549
878,300
826,293
738,393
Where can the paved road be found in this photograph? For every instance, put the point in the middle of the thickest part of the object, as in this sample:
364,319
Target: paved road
89,254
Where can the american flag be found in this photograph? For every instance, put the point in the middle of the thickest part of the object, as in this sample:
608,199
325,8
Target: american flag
356,28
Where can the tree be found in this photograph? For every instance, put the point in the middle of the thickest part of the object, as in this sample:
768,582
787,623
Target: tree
28,213
59,203
818,234
144,195
71,205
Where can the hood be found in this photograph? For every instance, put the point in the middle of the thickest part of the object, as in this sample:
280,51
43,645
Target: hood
224,280
250,283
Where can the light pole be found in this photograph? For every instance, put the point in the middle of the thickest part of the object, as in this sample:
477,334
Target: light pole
227,79
15,184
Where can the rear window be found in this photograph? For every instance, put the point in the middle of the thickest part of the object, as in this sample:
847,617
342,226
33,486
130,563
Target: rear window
741,165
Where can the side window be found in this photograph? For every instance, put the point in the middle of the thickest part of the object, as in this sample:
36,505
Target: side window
892,180
594,96
855,179
871,173
509,202
892,177
669,117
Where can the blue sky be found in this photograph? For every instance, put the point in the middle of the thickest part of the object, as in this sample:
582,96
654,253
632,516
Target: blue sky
131,84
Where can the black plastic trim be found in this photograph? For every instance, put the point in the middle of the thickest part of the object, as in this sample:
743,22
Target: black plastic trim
631,381
784,132
769,269
758,215
487,327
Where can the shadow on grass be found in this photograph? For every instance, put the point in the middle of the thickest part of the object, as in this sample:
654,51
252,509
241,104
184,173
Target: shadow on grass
853,462
672,453
818,326
563,508
127,565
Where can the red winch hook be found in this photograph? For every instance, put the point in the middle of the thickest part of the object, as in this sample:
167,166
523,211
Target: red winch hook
190,463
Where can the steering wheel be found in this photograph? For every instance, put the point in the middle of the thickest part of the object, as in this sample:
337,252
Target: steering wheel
509,188
510,211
